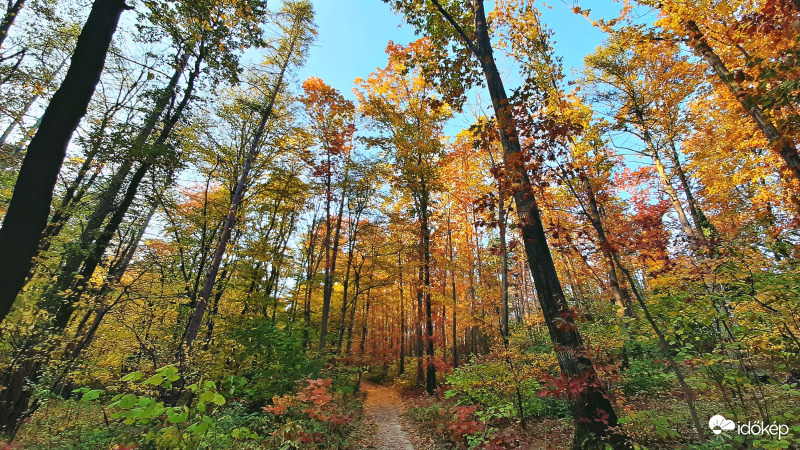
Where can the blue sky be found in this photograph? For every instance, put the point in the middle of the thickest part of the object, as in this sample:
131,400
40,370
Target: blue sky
353,35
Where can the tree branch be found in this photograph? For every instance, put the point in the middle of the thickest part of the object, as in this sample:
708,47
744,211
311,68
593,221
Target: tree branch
457,27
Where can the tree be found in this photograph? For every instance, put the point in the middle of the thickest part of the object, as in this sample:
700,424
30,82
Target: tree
298,32
331,123
466,25
409,117
30,204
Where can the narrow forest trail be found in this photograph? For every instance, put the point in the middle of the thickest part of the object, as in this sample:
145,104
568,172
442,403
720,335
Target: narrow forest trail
383,408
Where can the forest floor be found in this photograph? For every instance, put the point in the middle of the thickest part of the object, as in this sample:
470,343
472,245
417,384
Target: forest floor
387,428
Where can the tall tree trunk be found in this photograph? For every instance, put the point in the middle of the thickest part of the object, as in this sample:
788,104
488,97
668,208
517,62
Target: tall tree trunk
351,323
95,237
345,288
501,220
402,368
621,300
420,345
18,118
66,307
666,182
701,223
29,207
430,377
363,345
12,10
330,266
453,286
667,351
593,411
67,280
193,327
783,144
196,320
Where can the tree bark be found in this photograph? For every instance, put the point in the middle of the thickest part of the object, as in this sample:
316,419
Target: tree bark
593,411
785,147
193,327
10,16
29,207
453,286
501,221
330,266
430,377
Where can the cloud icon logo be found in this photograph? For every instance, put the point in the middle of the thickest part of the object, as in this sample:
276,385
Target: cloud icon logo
719,423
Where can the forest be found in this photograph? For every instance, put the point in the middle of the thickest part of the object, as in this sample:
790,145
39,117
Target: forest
472,246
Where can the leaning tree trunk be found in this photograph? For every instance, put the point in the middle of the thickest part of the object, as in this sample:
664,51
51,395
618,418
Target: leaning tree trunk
593,411
330,264
786,149
193,327
9,18
33,192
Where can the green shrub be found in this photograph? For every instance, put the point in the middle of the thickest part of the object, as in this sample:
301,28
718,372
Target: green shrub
377,374
646,376
492,386
272,361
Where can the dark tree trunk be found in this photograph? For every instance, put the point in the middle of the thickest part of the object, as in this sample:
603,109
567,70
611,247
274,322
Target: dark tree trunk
193,327
783,144
453,286
430,377
501,220
330,269
419,346
10,16
97,241
29,207
94,258
593,410
621,300
402,368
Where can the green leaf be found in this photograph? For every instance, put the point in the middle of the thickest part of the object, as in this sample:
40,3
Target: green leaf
155,380
218,399
93,394
178,416
128,401
133,376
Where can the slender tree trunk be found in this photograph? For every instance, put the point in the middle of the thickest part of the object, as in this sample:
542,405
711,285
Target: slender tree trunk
666,182
593,411
102,239
666,350
345,288
351,324
12,10
18,118
330,267
95,237
621,300
501,212
420,345
701,223
430,378
29,207
402,368
196,320
784,145
363,345
453,286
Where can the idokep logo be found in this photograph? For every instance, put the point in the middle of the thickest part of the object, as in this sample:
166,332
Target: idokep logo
719,423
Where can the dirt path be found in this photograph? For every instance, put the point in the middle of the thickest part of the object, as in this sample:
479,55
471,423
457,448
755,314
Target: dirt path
383,408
